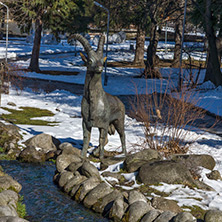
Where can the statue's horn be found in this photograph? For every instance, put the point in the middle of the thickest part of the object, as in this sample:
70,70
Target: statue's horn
84,42
99,50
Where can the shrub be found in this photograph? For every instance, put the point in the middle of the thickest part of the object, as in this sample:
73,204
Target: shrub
166,116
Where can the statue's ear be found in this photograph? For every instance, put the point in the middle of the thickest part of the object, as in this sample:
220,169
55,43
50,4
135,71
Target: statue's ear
84,59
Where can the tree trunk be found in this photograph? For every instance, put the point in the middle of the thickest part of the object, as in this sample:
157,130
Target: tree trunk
178,41
151,52
34,63
140,42
213,72
178,34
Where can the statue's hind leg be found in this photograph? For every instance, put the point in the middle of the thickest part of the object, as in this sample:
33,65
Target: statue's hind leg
86,138
102,142
119,125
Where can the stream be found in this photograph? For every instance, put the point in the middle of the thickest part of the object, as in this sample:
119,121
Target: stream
43,199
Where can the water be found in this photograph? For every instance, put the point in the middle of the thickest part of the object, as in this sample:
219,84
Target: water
43,199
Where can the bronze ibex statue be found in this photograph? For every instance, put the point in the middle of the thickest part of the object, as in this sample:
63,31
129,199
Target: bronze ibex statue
98,108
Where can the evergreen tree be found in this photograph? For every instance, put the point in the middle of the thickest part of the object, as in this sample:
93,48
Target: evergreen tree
59,16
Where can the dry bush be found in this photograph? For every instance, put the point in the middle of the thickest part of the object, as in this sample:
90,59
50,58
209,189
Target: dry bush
166,117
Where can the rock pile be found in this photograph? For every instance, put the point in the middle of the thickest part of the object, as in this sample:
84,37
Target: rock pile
81,180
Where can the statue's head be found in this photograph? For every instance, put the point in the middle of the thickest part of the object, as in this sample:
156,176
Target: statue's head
93,59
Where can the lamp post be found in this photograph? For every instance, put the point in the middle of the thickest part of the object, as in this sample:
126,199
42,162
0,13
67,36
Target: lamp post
107,35
181,50
7,18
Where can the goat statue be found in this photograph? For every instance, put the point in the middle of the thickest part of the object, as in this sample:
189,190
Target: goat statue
98,108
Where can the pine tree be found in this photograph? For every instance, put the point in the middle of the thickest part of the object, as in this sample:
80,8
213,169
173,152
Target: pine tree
59,16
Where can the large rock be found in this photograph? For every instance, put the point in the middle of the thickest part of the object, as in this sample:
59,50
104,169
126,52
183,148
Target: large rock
12,219
44,142
89,170
203,160
65,177
31,155
213,216
85,187
7,182
214,175
104,205
184,217
74,166
165,171
8,211
163,204
166,216
136,211
9,139
150,216
95,194
8,197
67,148
77,179
64,160
135,196
133,162
118,208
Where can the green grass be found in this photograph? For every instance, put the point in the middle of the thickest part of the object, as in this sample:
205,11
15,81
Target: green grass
21,209
25,115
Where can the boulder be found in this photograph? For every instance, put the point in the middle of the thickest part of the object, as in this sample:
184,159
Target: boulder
12,219
118,208
203,160
44,142
135,196
134,161
96,193
67,148
65,176
117,176
184,217
213,216
31,155
104,205
136,211
214,175
64,160
9,139
166,216
12,130
89,170
163,204
7,182
77,179
165,171
8,211
8,197
85,187
74,166
151,215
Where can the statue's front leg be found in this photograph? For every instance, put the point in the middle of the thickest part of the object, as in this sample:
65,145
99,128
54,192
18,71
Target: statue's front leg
102,142
86,138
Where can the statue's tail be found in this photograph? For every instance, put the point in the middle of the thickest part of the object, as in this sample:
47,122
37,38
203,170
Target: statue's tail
111,129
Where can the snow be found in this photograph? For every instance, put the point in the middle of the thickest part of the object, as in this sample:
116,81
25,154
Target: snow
66,107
